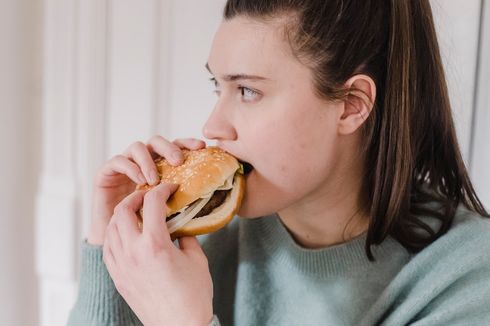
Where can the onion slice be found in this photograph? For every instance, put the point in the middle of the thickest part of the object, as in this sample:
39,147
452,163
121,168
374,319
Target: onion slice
184,217
189,212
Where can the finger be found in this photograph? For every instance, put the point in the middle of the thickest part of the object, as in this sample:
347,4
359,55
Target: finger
155,209
190,244
190,143
126,217
127,226
122,165
140,154
171,152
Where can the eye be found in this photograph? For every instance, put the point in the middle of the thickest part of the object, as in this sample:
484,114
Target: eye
248,94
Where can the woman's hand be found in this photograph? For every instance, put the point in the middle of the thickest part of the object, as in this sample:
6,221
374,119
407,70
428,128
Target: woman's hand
119,176
163,284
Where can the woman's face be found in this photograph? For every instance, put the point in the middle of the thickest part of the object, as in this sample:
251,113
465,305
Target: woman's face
268,115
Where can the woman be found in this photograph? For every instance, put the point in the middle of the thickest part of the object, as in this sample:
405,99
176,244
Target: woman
359,209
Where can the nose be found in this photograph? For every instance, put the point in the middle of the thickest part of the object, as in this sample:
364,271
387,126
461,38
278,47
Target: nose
218,125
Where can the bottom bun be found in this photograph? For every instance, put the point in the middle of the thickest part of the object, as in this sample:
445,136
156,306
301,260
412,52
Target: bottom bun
220,216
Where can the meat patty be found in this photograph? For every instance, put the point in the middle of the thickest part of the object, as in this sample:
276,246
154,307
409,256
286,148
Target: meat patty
216,200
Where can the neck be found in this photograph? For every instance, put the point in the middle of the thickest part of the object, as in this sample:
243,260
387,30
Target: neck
330,215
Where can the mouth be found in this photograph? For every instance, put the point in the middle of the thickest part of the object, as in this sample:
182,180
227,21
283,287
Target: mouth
247,167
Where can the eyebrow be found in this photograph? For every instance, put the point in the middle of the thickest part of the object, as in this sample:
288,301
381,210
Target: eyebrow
234,77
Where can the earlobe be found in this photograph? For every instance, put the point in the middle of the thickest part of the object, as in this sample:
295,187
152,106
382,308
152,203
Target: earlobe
358,104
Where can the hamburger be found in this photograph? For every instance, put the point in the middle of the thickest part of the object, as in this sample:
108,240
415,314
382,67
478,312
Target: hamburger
211,187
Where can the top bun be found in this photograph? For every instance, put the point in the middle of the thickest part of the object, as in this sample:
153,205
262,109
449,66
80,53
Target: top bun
202,172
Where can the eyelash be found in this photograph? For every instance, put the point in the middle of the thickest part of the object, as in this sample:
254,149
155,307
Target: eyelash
242,89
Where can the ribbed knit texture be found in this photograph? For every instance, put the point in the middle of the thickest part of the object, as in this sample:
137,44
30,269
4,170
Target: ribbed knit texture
262,277
98,303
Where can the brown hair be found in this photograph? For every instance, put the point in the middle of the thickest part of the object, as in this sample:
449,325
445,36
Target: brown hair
412,156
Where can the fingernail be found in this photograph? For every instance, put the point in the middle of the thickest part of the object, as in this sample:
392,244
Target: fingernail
154,177
177,156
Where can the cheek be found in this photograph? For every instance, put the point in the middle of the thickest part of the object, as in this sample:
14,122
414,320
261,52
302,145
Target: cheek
292,138
295,161
298,173
308,147
292,158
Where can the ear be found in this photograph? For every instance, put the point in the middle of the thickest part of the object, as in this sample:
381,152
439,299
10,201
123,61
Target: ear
358,104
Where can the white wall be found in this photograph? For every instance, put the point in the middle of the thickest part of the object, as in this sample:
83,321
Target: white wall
465,47
156,75
119,71
457,24
108,82
480,159
19,159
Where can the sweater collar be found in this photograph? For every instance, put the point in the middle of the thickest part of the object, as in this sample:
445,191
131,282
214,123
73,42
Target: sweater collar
349,257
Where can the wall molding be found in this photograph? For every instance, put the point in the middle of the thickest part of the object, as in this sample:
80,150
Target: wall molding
74,78
480,159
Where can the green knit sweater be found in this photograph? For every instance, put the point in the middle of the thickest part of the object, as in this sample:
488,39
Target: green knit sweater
262,277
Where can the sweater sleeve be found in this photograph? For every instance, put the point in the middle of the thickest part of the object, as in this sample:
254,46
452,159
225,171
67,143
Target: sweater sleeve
464,302
98,301
460,291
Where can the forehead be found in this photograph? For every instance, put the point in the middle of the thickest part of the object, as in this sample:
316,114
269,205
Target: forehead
249,45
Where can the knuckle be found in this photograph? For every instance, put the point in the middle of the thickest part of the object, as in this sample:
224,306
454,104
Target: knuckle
154,139
153,194
132,257
155,247
175,144
118,157
122,209
138,144
176,148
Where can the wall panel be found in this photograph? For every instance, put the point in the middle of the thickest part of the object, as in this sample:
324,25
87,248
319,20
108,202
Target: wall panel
120,71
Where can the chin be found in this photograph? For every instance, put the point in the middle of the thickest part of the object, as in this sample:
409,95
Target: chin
252,203
249,213
248,209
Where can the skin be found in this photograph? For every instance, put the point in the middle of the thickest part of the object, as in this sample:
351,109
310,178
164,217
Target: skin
306,168
303,148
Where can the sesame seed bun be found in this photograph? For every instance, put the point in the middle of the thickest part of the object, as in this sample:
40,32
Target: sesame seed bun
202,172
